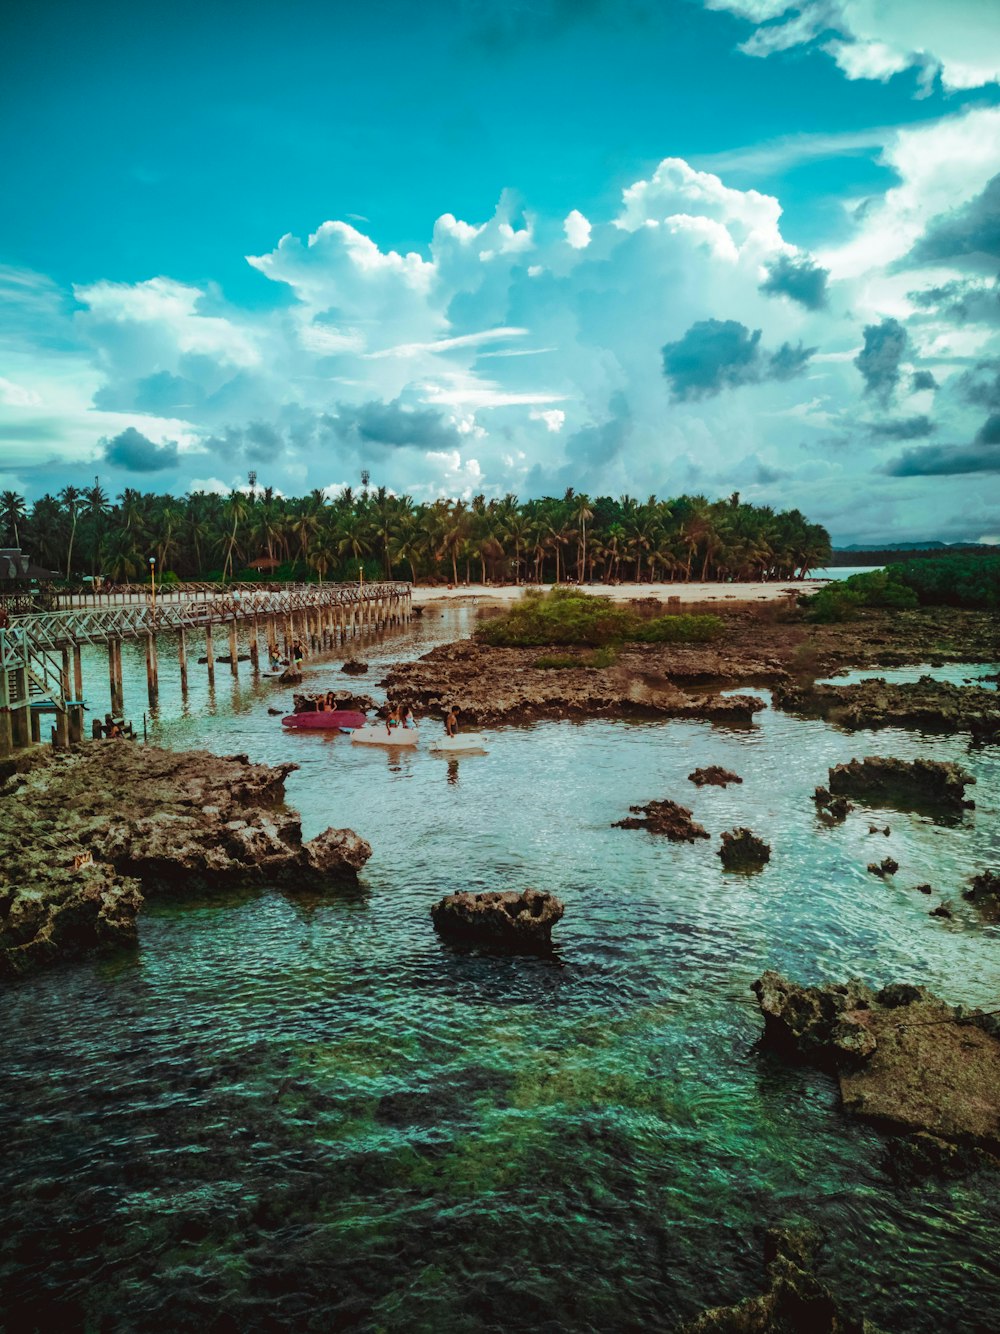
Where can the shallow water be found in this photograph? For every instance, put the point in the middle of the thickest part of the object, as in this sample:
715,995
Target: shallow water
307,1112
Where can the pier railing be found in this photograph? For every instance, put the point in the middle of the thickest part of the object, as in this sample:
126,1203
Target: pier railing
188,606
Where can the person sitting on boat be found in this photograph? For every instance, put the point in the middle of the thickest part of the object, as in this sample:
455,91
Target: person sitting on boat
408,718
451,721
393,719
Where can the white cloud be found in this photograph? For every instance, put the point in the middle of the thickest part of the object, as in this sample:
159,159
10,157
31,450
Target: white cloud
577,230
553,418
959,40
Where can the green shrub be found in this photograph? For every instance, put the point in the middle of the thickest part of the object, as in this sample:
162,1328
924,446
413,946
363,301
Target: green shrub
566,616
954,581
843,601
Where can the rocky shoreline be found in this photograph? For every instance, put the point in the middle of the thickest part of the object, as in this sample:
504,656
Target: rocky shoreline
88,834
762,646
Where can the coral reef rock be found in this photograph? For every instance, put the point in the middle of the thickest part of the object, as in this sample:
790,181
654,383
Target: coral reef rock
502,685
831,807
664,817
742,850
354,667
88,833
928,704
713,776
885,867
508,918
984,892
795,1301
904,1060
902,782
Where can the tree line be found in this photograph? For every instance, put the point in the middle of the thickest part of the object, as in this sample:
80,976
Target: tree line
202,536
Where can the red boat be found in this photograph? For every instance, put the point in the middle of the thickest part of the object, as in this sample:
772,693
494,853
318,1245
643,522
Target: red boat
330,720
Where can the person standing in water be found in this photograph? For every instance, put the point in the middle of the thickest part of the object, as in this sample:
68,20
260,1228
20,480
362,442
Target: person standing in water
408,718
451,721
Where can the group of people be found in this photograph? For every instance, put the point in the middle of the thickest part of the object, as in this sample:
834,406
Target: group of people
296,657
399,716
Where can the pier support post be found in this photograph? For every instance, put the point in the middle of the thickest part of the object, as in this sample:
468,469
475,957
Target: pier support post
210,655
234,648
115,673
61,729
20,722
152,670
182,658
254,645
6,722
77,673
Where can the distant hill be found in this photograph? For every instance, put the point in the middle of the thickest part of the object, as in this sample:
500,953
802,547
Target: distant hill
869,553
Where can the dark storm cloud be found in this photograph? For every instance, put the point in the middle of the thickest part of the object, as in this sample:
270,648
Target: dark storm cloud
878,361
963,300
903,428
981,385
983,455
136,453
798,277
394,425
972,230
922,380
260,442
723,354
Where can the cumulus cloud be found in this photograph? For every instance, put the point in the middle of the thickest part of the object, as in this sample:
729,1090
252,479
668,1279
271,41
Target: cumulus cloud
958,42
878,361
981,384
798,277
135,452
723,354
922,380
983,455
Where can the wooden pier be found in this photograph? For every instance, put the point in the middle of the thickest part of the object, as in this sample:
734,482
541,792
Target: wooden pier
40,653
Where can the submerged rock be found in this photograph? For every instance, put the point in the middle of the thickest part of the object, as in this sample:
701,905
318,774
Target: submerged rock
904,1060
794,1302
664,817
742,850
88,833
354,667
909,782
508,918
714,776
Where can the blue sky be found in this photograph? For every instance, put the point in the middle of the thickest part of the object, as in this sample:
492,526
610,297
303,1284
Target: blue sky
846,144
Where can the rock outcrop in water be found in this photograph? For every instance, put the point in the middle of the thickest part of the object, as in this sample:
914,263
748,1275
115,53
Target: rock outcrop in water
892,782
509,919
984,892
713,775
354,667
664,817
88,833
742,850
886,867
831,807
502,685
795,1302
905,1060
928,704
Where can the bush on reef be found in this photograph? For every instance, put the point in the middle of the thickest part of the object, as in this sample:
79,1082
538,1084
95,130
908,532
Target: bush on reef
567,616
953,581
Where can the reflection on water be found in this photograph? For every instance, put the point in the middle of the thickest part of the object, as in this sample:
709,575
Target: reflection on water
308,1112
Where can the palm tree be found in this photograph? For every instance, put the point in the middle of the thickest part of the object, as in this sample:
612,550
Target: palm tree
581,513
12,513
71,497
236,511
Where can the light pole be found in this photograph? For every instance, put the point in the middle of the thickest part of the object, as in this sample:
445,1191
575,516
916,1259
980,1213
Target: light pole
152,581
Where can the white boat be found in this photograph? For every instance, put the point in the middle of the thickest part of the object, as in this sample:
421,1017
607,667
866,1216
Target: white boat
456,745
377,734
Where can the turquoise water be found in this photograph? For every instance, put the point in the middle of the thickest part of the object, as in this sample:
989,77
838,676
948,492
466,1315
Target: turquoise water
307,1112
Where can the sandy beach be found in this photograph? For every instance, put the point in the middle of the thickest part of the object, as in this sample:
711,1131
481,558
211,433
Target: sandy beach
693,592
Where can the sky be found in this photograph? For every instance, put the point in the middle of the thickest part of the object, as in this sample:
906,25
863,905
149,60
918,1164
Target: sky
479,247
